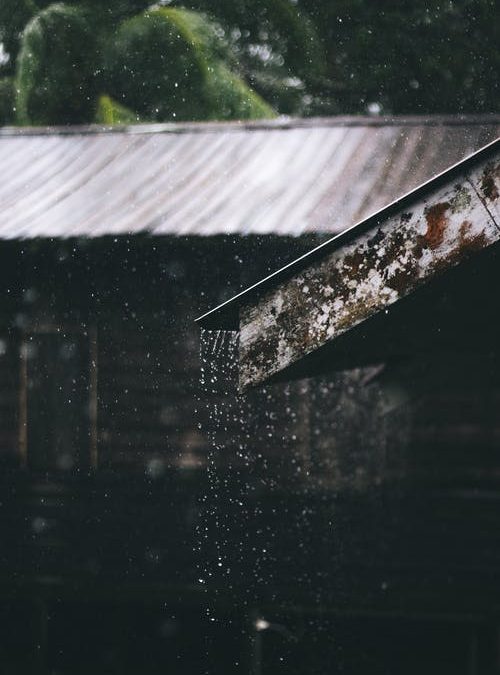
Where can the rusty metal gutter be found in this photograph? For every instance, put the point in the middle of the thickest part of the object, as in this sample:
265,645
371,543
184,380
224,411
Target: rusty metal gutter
227,314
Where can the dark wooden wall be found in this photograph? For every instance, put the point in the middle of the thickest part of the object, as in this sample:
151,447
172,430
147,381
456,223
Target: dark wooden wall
338,524
131,306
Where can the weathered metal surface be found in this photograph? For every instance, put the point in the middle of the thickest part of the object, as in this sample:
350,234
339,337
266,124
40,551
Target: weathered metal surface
282,177
370,273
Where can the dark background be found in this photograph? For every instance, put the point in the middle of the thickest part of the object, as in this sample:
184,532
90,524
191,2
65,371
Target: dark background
345,524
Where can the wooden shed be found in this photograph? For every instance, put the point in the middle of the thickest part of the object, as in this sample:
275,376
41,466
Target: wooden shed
112,242
108,237
403,307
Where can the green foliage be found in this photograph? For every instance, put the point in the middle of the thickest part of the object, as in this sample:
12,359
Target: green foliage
118,8
434,57
110,112
108,14
168,64
269,32
55,69
277,46
114,9
226,93
226,59
152,68
231,98
6,101
14,15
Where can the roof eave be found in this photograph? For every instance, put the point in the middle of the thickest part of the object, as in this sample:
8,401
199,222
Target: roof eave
226,315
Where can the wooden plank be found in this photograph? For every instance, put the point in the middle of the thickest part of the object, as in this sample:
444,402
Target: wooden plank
55,424
367,275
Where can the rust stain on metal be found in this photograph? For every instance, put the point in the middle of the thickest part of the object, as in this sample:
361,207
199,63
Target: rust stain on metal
369,274
468,243
436,224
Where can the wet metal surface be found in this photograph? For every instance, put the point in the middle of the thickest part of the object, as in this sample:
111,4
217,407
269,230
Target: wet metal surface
282,177
370,273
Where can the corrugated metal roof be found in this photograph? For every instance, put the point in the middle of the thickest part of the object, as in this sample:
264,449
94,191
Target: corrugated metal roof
282,177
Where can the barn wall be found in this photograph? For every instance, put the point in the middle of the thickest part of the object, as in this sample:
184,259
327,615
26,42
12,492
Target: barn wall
131,306
348,515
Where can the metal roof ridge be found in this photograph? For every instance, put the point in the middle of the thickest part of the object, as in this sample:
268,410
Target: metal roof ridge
225,316
282,122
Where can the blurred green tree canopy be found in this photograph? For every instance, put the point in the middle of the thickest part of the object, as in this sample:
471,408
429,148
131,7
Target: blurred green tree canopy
122,61
404,57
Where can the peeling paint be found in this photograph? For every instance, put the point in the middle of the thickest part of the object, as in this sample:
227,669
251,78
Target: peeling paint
369,274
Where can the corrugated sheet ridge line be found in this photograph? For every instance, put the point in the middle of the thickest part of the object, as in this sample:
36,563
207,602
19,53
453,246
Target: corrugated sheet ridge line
360,178
219,173
328,209
311,176
332,162
209,158
266,194
59,188
265,170
119,212
418,153
27,163
110,186
400,154
268,200
166,183
27,184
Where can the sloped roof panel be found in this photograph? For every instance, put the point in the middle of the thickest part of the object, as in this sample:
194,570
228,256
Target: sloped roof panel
285,177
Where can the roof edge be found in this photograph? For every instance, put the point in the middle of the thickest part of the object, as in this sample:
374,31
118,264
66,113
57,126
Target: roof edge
226,315
282,122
